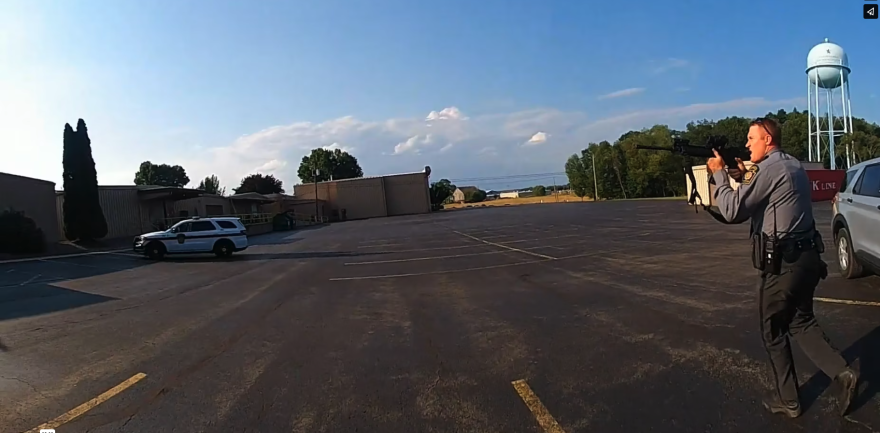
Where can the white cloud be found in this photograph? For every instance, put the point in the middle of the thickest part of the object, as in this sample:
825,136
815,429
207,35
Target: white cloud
668,64
413,144
271,166
538,138
456,147
451,113
622,93
335,146
488,150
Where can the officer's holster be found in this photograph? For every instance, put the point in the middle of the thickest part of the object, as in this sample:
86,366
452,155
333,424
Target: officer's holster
770,253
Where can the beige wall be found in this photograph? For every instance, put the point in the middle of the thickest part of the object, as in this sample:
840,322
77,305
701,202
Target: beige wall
407,194
371,197
126,214
308,209
200,206
362,198
34,197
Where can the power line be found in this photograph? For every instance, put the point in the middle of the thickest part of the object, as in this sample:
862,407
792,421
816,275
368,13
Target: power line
513,177
529,180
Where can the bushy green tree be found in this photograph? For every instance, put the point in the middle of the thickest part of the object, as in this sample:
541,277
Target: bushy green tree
260,184
539,191
333,164
161,175
440,192
211,185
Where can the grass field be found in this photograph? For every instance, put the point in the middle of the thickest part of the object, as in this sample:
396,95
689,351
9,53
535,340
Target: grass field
519,201
561,198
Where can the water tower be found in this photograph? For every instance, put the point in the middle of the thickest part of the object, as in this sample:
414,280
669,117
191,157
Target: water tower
828,69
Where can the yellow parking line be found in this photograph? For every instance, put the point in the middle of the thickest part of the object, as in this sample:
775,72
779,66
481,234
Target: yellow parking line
547,422
89,405
848,302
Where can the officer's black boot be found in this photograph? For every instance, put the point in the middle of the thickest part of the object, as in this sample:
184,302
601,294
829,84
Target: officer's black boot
848,380
791,409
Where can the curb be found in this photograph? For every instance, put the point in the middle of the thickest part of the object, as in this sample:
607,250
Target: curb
61,256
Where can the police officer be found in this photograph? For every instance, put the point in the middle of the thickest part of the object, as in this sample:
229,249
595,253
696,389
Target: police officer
775,194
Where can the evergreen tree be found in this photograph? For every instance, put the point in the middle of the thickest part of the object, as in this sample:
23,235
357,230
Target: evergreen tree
83,217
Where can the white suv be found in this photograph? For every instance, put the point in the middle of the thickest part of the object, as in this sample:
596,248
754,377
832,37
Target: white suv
221,236
855,220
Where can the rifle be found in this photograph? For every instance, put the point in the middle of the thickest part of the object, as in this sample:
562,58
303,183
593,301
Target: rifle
718,143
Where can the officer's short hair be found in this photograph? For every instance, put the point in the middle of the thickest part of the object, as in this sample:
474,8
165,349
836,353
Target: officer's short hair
771,127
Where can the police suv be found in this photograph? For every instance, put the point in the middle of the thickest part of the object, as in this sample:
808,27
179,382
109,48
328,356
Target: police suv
856,219
221,236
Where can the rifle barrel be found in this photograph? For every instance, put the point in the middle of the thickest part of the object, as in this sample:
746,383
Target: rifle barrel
655,148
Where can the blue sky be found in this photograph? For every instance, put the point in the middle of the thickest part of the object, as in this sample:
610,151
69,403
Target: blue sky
234,87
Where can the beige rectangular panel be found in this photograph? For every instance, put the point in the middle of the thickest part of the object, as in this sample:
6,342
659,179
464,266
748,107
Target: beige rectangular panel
407,194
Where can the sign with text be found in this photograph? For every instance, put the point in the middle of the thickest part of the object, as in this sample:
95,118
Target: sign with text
825,183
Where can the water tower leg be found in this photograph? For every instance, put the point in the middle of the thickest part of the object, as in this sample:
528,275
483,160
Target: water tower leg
818,128
831,154
848,101
849,105
809,123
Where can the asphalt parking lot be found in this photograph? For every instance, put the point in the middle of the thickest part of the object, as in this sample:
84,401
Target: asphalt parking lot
577,317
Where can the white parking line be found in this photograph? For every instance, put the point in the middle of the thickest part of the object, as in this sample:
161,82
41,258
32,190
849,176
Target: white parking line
479,268
505,246
416,259
31,279
451,271
474,229
63,256
848,302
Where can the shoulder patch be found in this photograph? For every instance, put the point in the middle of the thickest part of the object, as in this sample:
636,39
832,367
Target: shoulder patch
750,174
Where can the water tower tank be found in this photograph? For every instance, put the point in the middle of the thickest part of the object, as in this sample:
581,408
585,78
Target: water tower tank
824,63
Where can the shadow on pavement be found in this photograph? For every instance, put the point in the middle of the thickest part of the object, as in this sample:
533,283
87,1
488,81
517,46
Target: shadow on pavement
275,240
36,299
26,288
867,352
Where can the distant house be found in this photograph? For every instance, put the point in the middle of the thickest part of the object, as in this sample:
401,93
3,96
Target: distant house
458,195
516,194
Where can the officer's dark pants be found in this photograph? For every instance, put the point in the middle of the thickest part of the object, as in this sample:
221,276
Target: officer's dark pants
786,303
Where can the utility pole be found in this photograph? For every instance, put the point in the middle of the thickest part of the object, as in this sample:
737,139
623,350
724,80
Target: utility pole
555,192
595,182
317,172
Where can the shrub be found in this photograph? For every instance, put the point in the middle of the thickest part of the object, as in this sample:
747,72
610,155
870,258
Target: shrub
20,234
474,196
282,221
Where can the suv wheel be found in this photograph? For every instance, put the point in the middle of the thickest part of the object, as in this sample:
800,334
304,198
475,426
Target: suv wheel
155,250
223,248
846,260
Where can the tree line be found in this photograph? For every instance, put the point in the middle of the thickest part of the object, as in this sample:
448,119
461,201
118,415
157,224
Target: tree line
619,170
321,165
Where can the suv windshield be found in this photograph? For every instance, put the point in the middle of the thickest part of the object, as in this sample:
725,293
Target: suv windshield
847,181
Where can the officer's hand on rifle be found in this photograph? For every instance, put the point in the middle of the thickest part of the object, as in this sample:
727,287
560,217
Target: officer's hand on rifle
736,173
716,163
